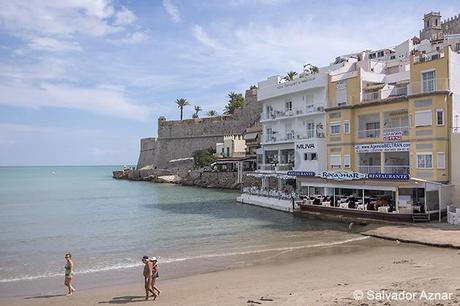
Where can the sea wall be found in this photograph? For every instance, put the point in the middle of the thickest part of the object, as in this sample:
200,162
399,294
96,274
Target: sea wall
179,139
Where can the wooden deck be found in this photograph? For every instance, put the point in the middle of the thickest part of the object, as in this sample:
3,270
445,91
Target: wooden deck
347,214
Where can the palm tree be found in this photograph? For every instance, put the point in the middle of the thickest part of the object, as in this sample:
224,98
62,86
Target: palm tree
235,101
290,76
212,113
181,103
197,110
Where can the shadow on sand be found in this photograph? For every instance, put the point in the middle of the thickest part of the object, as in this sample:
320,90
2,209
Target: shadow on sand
124,299
44,296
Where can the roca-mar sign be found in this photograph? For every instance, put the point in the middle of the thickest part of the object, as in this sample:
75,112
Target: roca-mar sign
341,175
383,147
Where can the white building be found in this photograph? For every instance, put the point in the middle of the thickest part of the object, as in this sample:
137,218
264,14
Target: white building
293,123
233,146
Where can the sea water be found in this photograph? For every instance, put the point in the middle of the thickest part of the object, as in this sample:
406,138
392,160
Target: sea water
108,225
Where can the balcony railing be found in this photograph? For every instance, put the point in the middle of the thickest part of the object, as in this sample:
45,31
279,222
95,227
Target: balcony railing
266,167
399,169
427,86
272,167
370,169
284,167
373,133
396,91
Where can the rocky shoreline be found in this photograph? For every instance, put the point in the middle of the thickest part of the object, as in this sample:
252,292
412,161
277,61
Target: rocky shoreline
186,177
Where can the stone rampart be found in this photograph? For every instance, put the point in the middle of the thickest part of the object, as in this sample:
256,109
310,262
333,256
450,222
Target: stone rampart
179,139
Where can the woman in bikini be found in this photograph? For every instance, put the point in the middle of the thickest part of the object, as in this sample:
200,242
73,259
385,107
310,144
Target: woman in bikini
69,273
155,274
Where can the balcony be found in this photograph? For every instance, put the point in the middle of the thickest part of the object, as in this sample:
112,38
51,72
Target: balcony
428,86
372,133
296,112
397,169
396,91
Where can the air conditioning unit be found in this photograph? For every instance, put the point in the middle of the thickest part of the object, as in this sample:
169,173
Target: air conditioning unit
320,109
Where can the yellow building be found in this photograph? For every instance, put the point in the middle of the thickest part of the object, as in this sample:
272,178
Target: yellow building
391,124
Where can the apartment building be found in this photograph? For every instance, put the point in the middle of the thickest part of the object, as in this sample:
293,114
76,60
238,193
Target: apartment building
293,122
372,131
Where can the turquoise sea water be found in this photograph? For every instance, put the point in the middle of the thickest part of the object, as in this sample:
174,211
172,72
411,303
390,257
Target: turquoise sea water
109,225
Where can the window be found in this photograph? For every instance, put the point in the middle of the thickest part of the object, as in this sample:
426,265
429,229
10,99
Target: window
441,160
429,81
424,160
380,54
310,130
341,92
310,156
334,161
372,55
310,108
347,161
269,134
288,106
423,118
335,128
457,47
268,111
346,127
439,117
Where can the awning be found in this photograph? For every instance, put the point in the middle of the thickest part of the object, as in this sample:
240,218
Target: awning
251,136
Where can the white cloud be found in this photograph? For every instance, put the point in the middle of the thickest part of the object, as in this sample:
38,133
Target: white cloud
53,45
89,17
131,39
172,10
200,35
124,17
103,101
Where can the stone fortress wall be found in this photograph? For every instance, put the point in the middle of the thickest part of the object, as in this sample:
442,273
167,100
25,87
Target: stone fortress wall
179,139
451,25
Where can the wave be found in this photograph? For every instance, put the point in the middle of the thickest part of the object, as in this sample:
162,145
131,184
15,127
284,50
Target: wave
181,259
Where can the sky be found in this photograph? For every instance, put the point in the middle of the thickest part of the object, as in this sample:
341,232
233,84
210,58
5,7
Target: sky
81,81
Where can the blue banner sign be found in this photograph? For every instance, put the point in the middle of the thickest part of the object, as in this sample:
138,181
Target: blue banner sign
388,176
301,173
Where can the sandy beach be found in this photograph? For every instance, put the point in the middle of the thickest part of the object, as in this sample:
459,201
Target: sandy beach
329,277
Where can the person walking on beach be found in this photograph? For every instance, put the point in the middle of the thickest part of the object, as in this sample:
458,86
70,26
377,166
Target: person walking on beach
69,273
148,276
155,274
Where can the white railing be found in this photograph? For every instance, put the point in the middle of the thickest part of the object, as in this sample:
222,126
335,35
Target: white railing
427,86
399,169
370,169
373,133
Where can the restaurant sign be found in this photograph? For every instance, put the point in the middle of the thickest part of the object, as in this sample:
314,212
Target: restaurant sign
383,147
301,173
388,176
341,175
392,135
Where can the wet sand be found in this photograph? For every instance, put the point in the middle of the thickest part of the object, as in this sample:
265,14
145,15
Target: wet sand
328,277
